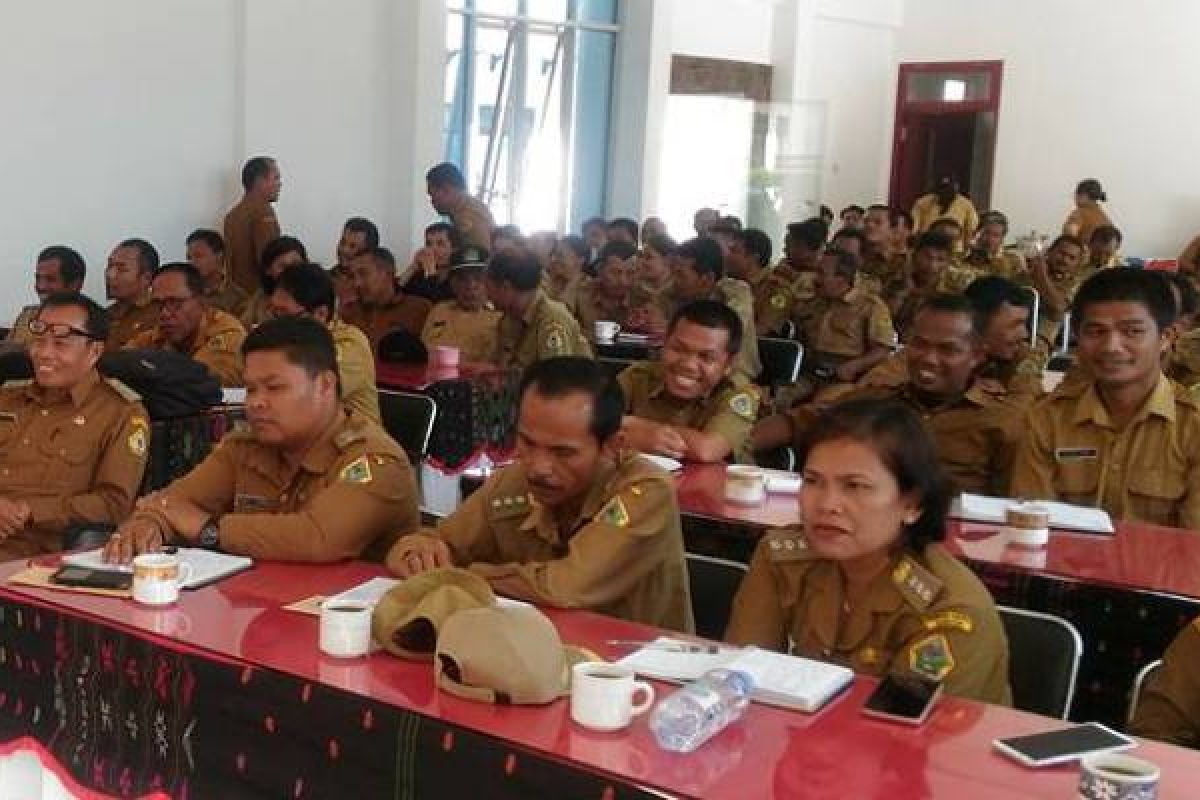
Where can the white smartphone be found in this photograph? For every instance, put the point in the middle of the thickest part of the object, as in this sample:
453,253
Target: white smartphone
903,698
1065,744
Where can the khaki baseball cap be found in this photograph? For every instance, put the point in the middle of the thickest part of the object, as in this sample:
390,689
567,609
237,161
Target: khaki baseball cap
505,654
408,619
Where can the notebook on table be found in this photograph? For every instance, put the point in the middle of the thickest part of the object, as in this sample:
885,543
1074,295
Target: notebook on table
1064,516
801,684
207,566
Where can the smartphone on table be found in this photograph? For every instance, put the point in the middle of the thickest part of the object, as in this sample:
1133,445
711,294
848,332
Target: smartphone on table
903,698
1065,744
92,578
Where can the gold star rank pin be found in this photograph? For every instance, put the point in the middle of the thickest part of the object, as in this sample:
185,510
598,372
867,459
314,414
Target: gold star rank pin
615,513
357,471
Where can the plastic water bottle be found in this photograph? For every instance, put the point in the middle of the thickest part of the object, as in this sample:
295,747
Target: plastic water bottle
690,716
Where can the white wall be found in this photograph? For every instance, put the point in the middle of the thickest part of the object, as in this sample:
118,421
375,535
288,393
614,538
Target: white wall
735,30
1090,89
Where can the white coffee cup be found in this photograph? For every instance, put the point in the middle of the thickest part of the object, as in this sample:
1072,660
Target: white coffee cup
745,485
1115,776
345,630
158,577
605,330
602,695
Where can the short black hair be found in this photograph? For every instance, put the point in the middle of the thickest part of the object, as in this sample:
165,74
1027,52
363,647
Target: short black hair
446,174
896,215
853,207
1123,285
517,267
575,244
845,263
662,244
508,232
70,264
452,234
948,303
811,233
279,247
852,233
1067,238
563,375
630,226
904,446
947,221
309,285
757,243
723,228
1106,233
365,227
621,250
989,293
825,211
382,258
705,255
932,240
255,169
147,256
711,314
191,276
305,343
1091,188
97,325
209,237
993,218
592,222
881,207
1189,298
730,221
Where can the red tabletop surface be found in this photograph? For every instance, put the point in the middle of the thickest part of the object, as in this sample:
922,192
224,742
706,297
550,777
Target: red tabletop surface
701,492
770,753
415,377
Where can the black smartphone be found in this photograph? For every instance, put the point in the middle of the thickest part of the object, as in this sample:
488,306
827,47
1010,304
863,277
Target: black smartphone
1065,744
903,698
92,578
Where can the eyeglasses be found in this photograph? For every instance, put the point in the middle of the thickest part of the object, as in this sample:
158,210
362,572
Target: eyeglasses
59,331
173,304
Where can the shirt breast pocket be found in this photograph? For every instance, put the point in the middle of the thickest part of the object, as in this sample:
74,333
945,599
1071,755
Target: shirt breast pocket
66,460
1155,493
1077,480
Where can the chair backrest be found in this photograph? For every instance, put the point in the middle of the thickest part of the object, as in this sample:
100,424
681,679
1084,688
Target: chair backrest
1044,652
1139,683
614,366
781,360
777,458
408,417
714,582
1034,305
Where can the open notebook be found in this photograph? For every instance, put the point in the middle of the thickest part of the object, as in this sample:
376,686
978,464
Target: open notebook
791,682
1064,516
207,566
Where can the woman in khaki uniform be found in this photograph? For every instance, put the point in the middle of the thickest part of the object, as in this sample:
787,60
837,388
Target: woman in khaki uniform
865,583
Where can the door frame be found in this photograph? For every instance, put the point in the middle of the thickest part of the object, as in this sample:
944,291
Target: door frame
994,69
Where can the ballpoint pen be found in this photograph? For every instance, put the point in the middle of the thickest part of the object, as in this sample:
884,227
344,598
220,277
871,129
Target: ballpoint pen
670,647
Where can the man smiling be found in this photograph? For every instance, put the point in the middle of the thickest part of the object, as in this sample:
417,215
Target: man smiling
573,523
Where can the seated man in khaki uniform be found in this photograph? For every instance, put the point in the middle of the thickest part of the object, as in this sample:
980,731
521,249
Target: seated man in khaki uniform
574,523
58,269
278,255
607,296
131,267
383,306
653,291
1125,437
72,444
989,254
187,325
308,481
206,252
563,278
792,281
1169,708
930,270
1056,276
306,290
881,263
534,327
448,195
466,322
687,405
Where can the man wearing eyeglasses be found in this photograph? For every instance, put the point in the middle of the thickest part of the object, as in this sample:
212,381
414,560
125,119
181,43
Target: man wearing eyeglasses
72,444
186,324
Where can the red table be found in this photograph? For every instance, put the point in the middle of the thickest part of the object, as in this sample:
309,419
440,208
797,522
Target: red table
772,753
418,377
701,493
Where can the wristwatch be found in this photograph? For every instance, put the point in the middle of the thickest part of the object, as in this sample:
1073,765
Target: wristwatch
210,535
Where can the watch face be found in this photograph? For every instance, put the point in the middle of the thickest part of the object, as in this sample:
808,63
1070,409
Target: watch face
209,535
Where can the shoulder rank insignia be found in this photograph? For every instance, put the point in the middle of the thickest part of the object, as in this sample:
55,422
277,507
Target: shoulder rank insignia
744,405
510,505
217,342
614,513
357,471
931,657
918,585
556,341
948,620
787,544
779,301
136,441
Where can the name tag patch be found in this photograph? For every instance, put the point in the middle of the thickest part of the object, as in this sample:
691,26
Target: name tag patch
1064,454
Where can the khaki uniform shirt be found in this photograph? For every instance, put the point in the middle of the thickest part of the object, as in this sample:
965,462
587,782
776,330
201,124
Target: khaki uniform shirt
473,332
546,329
925,614
622,554
1183,362
217,345
660,297
1087,219
249,227
1169,709
473,220
1148,472
128,320
1020,378
356,366
1049,322
74,456
255,311
737,295
1006,263
926,212
19,332
593,306
777,296
352,495
230,298
846,327
405,312
566,293
729,411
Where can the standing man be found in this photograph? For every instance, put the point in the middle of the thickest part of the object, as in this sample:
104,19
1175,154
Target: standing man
534,327
206,252
448,195
252,224
308,481
58,269
1128,439
575,522
945,201
131,266
187,325
382,305
72,444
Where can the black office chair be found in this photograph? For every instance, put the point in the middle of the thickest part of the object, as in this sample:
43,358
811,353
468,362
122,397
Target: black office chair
714,582
1043,652
781,360
409,418
777,458
1139,684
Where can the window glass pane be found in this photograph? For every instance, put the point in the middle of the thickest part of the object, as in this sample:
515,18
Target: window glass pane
506,7
555,10
948,87
598,11
455,124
